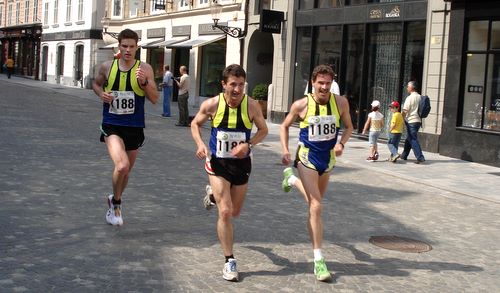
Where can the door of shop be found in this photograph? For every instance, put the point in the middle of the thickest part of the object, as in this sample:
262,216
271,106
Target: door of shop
181,57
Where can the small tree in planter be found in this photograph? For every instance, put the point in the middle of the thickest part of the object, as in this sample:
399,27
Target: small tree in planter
259,93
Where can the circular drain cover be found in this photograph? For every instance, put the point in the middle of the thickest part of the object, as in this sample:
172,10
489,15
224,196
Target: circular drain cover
400,244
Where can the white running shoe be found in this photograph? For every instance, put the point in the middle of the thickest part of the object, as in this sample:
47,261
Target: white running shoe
229,272
207,199
114,213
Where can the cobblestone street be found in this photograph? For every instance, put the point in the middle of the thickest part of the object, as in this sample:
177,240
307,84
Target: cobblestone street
55,175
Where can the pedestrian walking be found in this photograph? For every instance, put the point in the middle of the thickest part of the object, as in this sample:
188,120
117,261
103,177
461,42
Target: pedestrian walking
375,122
182,100
122,85
412,123
229,165
167,85
9,64
395,131
320,115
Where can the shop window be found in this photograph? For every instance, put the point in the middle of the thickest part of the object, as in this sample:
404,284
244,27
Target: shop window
306,4
384,60
156,59
478,35
213,63
384,1
414,54
495,35
353,77
302,62
354,2
481,90
329,3
328,46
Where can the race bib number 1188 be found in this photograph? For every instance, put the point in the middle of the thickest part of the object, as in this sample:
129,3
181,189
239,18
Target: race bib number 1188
322,128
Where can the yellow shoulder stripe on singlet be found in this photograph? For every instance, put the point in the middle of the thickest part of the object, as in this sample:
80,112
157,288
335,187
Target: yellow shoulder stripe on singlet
123,79
232,116
323,109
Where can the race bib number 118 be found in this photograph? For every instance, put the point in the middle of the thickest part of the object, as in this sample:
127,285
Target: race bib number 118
226,141
123,103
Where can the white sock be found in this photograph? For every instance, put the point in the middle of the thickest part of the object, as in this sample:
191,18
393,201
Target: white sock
317,254
291,180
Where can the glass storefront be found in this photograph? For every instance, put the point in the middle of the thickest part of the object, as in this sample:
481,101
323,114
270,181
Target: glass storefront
310,4
328,46
353,76
213,58
394,55
481,92
383,66
156,59
303,62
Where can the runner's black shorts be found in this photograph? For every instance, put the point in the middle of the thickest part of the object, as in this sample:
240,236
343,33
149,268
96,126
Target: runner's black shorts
236,171
133,137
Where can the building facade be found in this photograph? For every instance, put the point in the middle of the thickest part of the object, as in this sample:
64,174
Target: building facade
71,39
20,34
471,118
180,33
374,48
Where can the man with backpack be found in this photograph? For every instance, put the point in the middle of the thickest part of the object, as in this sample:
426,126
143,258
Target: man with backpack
413,121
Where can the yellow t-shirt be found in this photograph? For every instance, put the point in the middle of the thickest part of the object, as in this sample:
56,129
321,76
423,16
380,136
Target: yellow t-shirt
9,63
396,123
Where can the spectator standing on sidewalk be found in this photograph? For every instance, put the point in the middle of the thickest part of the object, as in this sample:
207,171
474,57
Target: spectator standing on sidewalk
320,115
167,85
395,131
182,100
9,64
375,122
232,115
123,85
413,123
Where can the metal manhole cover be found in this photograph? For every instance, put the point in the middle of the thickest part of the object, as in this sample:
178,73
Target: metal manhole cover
400,244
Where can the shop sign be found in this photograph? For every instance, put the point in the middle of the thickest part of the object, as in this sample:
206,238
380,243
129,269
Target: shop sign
380,13
375,13
496,105
395,12
477,89
79,35
181,30
156,33
208,28
270,21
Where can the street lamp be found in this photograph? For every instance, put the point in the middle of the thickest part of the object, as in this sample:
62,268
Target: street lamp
105,34
215,10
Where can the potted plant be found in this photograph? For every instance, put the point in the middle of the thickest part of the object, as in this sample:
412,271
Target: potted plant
259,93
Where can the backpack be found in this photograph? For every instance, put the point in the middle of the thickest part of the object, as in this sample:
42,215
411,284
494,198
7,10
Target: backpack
424,107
